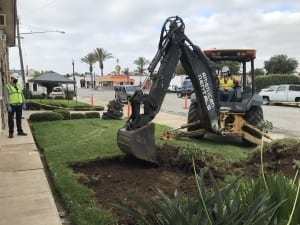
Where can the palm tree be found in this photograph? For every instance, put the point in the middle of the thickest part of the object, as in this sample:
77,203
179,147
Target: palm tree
90,59
101,55
141,62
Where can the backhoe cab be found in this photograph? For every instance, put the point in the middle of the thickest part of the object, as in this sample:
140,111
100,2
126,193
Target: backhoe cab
207,112
243,113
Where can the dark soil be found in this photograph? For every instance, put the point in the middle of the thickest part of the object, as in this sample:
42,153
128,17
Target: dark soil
109,178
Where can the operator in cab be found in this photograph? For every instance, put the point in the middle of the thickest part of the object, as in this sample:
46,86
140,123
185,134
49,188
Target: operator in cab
226,85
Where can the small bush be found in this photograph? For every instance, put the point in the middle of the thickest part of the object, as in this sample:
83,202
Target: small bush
45,116
69,94
65,113
92,115
99,108
76,116
59,97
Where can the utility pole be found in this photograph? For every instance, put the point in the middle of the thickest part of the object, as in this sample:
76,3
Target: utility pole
20,54
20,47
74,80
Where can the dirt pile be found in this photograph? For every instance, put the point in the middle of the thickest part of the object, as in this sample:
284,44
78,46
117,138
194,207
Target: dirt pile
278,158
108,178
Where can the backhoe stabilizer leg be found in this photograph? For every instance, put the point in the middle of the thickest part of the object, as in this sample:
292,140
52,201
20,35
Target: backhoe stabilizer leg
139,142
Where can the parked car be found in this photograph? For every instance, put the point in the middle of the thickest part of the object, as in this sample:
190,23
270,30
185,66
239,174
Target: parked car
124,92
285,93
57,92
186,90
176,83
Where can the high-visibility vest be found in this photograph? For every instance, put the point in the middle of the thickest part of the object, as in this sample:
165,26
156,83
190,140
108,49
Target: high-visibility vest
15,95
228,84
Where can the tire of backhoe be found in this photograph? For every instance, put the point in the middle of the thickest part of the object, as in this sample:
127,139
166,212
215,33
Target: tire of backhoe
192,117
254,116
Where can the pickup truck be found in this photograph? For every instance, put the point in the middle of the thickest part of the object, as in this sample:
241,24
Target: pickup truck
186,90
284,93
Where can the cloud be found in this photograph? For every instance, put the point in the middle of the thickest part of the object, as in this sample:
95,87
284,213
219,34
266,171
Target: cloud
129,29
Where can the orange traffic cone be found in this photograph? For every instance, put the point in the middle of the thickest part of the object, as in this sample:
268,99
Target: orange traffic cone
185,102
92,99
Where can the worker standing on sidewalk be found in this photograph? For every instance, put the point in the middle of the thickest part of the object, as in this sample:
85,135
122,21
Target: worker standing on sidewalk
15,102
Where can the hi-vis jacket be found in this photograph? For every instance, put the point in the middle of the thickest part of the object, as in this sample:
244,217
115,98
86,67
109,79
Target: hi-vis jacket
228,84
15,95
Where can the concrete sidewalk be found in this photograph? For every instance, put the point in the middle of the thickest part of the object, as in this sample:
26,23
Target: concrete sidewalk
25,195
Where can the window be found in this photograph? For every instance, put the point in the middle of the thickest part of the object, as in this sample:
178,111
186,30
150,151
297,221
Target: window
294,88
34,87
281,88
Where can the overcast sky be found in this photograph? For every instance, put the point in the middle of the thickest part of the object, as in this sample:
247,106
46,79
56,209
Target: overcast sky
129,29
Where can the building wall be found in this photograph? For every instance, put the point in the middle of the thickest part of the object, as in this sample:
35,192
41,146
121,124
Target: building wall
3,81
7,39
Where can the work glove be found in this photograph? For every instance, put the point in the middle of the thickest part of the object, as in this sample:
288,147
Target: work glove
9,109
24,107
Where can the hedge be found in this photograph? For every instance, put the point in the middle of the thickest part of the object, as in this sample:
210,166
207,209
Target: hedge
65,113
92,115
75,116
275,79
45,116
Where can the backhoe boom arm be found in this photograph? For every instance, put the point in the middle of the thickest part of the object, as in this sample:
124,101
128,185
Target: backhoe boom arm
137,136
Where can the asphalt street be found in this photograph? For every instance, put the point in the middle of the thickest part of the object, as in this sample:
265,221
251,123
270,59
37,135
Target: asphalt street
285,119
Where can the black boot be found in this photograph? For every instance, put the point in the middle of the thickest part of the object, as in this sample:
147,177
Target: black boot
22,133
11,135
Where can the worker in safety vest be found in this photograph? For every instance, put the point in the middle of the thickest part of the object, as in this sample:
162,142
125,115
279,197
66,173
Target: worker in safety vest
15,102
226,85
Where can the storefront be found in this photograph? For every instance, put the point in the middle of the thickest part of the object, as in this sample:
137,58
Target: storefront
114,80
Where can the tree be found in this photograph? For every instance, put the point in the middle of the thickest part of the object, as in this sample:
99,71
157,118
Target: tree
281,64
90,60
259,71
125,71
141,62
101,55
179,69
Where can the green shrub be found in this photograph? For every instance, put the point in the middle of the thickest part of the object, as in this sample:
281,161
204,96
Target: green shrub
59,97
27,93
99,108
65,113
92,115
69,94
45,116
33,106
75,116
275,79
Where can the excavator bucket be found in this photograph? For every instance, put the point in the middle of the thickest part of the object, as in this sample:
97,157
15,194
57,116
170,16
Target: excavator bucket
139,142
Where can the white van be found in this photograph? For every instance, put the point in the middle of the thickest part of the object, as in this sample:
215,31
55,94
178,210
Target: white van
124,92
177,82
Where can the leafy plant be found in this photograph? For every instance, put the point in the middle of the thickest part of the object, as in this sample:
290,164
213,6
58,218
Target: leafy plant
281,190
213,205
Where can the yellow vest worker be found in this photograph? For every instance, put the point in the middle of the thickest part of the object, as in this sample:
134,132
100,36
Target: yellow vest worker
226,85
15,102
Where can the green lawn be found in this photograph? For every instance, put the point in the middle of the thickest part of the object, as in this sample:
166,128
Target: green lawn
69,141
50,104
